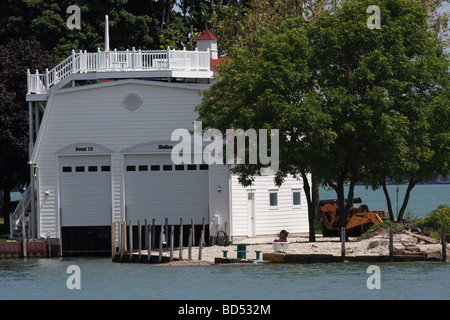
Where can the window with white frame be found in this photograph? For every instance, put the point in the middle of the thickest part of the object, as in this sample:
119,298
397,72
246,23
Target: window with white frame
273,199
296,198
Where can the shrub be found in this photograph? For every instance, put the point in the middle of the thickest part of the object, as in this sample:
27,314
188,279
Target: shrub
435,220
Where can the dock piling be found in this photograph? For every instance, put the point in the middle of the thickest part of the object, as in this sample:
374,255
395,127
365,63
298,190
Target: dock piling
161,235
200,245
343,243
171,242
24,239
130,238
180,257
190,244
391,244
139,239
149,243
444,245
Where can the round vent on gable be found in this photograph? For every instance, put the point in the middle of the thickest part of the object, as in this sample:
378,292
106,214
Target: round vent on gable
132,101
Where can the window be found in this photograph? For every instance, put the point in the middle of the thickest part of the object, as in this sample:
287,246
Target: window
204,167
92,169
167,167
67,169
106,168
192,167
131,168
296,200
179,167
143,168
154,167
273,199
79,169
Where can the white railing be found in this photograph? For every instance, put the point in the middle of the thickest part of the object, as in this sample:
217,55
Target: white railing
16,217
110,61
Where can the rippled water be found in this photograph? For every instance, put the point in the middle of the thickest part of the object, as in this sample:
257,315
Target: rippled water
102,279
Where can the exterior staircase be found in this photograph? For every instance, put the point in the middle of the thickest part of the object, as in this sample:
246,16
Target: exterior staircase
21,214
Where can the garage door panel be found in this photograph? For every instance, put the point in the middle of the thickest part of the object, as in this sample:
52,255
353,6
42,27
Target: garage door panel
85,191
159,194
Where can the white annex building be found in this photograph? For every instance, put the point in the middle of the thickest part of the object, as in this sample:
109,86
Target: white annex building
101,153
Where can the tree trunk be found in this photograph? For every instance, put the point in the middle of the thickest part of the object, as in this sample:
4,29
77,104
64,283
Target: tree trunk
311,207
388,200
411,185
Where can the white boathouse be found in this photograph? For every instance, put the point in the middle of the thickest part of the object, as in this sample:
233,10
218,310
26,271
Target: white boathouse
102,153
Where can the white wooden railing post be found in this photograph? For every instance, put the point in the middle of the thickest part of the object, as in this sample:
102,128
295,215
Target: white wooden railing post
46,79
184,54
99,62
133,63
73,62
28,81
168,57
197,59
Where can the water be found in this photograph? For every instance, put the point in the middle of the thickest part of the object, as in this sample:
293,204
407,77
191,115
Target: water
102,279
423,198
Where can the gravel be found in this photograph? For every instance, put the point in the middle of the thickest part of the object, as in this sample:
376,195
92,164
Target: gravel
378,245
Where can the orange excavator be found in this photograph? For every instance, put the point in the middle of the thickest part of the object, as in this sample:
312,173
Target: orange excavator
359,219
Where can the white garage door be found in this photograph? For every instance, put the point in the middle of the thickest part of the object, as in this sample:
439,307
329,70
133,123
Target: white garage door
158,189
85,190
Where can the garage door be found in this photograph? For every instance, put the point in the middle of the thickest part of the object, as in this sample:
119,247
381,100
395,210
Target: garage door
85,190
158,189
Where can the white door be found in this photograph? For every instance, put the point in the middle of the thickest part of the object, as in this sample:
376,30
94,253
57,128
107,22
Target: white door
155,188
251,214
85,190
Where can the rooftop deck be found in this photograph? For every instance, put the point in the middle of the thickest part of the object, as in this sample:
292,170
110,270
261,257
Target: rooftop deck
119,64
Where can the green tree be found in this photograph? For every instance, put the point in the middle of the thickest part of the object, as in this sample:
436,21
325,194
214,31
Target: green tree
15,58
380,87
268,86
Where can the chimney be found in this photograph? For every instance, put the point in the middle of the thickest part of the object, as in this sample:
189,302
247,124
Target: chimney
208,41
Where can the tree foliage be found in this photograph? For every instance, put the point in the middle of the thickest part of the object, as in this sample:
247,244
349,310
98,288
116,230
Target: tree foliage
352,104
15,58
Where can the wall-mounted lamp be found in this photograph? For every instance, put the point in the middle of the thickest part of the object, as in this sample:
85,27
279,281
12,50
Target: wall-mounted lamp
47,193
219,189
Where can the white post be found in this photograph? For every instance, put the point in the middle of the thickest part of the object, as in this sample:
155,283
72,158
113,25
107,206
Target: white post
106,33
133,63
99,63
73,62
46,79
28,81
196,57
184,54
168,57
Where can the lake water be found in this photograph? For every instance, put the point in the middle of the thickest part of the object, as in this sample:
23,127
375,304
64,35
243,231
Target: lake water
423,199
102,279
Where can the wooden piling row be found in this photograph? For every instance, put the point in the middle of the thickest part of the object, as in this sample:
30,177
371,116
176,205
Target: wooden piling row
122,241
